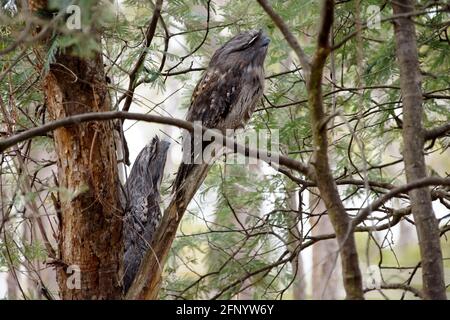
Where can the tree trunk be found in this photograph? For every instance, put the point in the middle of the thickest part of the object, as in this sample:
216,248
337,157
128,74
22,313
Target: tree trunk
413,139
90,238
321,165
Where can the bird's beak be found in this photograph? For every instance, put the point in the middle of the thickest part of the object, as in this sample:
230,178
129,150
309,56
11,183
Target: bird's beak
265,41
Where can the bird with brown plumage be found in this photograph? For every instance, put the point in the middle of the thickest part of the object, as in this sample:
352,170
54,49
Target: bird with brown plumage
227,93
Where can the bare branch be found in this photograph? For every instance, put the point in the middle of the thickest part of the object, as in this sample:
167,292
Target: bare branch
105,116
424,182
437,132
137,67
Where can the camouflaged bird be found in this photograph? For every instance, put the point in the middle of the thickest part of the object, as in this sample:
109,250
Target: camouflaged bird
229,90
142,213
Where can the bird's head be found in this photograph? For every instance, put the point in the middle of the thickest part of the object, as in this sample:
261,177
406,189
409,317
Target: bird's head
245,48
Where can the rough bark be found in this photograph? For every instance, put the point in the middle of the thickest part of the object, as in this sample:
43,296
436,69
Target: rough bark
90,221
91,215
413,139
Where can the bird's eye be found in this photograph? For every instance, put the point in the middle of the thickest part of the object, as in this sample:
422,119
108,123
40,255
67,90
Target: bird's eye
243,45
252,40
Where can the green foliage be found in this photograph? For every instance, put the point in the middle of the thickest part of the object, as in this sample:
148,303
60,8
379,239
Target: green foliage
212,255
14,252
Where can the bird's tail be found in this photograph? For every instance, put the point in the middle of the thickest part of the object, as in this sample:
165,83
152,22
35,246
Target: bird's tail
195,165
182,175
192,151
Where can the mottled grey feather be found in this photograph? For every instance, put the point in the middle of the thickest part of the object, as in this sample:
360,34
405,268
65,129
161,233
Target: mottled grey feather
142,212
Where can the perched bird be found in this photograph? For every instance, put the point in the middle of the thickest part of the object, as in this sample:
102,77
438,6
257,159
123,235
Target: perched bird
224,98
142,213
227,94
